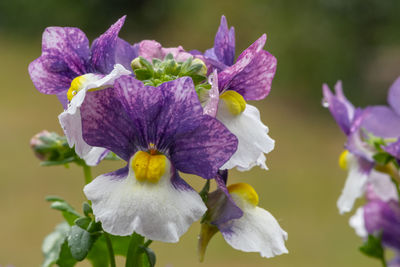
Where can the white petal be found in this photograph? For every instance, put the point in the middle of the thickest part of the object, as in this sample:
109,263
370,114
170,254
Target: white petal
383,186
70,119
252,135
162,211
357,222
256,231
353,188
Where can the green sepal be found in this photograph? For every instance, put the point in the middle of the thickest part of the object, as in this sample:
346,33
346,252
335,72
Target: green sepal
373,247
87,209
383,158
198,78
80,242
52,244
150,256
204,192
146,64
83,222
193,69
112,156
48,163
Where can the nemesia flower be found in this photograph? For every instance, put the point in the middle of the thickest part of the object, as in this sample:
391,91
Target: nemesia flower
158,131
68,68
357,124
249,78
255,231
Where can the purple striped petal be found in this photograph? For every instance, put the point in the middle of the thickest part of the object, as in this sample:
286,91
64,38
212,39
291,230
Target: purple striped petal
106,124
149,49
252,74
224,43
385,217
169,116
65,55
394,96
108,50
394,149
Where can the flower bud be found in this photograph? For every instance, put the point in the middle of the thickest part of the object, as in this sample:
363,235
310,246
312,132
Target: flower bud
135,64
50,147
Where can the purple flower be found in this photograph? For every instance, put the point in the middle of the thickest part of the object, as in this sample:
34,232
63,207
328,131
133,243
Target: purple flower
158,131
249,78
234,212
358,124
68,68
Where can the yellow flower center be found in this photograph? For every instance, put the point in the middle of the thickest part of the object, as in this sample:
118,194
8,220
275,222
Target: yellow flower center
76,86
343,159
245,191
234,101
148,167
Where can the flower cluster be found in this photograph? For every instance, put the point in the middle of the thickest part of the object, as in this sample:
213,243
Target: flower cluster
165,111
372,157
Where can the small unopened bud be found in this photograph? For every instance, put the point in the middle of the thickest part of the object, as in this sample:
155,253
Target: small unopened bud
50,146
203,69
135,64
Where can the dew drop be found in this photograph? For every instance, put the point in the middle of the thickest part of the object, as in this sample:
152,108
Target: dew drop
73,92
325,103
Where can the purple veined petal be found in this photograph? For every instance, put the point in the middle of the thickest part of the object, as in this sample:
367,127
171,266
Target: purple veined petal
63,99
149,49
210,146
382,121
394,96
224,43
385,217
338,109
65,55
252,74
108,49
211,105
106,124
394,149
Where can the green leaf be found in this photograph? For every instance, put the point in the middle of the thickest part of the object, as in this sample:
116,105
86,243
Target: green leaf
373,247
51,246
66,259
98,255
69,213
146,64
80,242
197,78
382,158
47,163
53,198
150,255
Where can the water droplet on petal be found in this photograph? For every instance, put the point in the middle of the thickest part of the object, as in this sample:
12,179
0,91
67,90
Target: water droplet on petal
325,103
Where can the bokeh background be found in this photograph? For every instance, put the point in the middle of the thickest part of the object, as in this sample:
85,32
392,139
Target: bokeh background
315,41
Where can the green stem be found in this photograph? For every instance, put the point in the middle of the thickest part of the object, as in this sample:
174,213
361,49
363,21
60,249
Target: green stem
133,258
396,184
383,262
87,173
148,242
110,250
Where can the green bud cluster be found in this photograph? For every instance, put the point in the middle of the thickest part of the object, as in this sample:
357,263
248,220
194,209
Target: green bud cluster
168,69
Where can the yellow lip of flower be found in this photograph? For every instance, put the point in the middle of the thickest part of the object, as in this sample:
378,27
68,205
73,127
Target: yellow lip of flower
245,191
343,160
234,101
76,86
149,166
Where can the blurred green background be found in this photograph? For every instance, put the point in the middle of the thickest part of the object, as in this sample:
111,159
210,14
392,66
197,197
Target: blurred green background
315,41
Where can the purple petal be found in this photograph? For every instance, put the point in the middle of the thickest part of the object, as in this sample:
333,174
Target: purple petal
106,124
338,108
394,96
385,217
224,43
211,106
108,50
382,121
65,55
394,149
252,74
